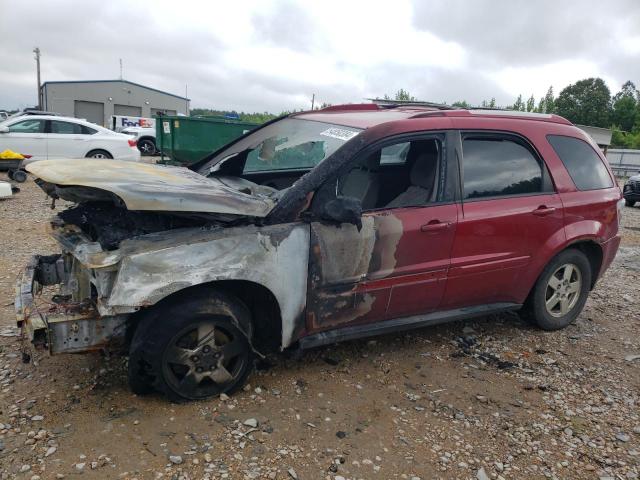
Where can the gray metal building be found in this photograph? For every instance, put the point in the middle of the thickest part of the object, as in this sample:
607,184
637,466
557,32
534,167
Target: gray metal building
97,100
602,136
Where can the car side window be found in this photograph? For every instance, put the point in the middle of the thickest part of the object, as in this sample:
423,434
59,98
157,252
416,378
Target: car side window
394,154
396,176
582,162
65,127
28,126
495,166
87,131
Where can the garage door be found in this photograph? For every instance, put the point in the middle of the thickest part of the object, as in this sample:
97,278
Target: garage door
162,111
90,111
127,110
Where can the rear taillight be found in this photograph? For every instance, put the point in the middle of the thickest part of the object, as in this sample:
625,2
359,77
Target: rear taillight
132,143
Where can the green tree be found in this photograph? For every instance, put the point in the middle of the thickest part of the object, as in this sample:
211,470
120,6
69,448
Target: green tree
519,105
546,103
620,139
255,117
489,104
586,102
628,90
531,104
404,96
461,104
549,102
626,108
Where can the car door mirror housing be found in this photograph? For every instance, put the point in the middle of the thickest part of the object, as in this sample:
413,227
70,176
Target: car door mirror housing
343,210
4,129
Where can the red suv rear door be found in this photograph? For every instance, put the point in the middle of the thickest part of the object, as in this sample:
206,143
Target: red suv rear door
509,212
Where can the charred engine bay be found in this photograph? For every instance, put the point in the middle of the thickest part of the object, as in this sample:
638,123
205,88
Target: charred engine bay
108,225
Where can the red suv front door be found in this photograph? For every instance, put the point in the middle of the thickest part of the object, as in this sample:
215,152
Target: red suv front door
509,213
395,264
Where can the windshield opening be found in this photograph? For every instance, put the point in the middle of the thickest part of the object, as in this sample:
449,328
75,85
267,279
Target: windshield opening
287,145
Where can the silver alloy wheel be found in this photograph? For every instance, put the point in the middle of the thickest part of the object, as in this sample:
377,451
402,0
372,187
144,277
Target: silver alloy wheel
563,290
146,147
203,359
99,155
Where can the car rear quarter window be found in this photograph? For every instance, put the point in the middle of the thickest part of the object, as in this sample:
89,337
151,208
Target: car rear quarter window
87,131
582,162
495,166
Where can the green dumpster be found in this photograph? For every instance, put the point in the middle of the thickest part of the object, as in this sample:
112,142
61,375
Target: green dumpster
187,140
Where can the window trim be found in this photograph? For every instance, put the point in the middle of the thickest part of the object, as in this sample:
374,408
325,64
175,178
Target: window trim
547,179
604,163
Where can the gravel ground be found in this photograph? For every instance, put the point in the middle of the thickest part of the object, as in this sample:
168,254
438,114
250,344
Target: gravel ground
489,398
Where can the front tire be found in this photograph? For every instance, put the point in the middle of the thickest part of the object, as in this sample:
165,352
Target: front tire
193,349
629,203
561,291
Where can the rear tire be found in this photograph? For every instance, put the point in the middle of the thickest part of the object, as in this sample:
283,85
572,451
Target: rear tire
146,147
193,349
99,154
561,291
629,203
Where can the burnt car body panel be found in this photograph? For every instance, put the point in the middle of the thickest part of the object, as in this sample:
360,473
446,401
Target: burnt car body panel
149,187
401,268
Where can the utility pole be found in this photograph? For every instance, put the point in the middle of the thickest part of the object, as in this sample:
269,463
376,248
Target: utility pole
186,100
120,69
36,50
313,99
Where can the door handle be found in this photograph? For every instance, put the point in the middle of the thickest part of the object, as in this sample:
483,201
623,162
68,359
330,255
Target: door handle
543,210
434,226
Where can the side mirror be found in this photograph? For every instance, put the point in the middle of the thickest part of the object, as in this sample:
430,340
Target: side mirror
343,210
4,129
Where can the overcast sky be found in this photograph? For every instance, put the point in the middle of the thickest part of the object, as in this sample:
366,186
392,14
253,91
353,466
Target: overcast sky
273,55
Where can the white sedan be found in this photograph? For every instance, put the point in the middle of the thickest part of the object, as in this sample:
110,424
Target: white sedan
41,137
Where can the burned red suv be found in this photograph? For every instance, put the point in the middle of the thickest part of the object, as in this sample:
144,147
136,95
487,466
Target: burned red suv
319,227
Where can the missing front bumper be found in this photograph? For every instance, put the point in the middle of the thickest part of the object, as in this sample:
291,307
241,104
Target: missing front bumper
61,327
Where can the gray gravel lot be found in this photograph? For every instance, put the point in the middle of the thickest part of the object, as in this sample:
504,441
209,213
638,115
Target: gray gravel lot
490,398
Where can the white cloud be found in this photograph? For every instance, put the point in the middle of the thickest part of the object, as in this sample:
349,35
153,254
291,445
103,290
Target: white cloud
273,55
537,79
631,46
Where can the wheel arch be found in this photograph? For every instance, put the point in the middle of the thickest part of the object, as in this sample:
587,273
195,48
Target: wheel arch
265,311
593,252
591,249
93,150
147,137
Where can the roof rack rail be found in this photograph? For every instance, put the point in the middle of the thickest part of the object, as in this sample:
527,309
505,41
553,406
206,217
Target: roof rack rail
382,103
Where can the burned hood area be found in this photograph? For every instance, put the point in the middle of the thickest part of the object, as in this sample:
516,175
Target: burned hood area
104,218
109,225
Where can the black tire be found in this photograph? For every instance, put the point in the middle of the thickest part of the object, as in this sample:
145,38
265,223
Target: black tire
565,305
629,203
146,146
99,154
179,348
19,176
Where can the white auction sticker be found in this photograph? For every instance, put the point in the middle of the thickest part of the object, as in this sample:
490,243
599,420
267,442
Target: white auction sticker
339,133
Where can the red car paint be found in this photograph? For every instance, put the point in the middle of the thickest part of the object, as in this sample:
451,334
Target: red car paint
479,252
